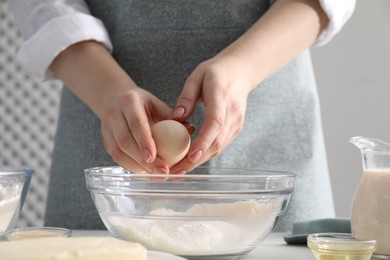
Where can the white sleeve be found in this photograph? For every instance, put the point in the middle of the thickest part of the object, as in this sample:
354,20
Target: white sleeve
338,12
50,26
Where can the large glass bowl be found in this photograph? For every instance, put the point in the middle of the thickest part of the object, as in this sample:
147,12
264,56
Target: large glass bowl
14,184
209,213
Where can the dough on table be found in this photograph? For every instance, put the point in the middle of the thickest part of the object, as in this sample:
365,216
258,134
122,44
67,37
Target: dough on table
72,248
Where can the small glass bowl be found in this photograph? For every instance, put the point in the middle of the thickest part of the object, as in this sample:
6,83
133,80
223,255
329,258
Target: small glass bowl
340,246
35,232
14,185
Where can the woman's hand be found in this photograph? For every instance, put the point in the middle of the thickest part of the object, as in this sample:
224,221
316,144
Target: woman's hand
126,129
223,84
125,110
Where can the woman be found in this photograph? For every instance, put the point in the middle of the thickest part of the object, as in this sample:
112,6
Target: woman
212,63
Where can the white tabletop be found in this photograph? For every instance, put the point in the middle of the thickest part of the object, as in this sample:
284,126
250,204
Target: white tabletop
272,248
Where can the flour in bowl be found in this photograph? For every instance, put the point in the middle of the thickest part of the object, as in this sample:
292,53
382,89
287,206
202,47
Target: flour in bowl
203,229
9,201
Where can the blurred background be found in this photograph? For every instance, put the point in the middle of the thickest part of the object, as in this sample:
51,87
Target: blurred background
353,75
28,116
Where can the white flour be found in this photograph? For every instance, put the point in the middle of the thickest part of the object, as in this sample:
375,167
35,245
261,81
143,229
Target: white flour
249,222
9,201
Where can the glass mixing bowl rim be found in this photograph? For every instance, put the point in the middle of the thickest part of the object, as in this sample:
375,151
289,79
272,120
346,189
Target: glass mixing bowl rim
96,172
16,171
279,183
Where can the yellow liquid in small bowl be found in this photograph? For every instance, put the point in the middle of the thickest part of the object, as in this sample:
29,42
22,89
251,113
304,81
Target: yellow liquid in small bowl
340,246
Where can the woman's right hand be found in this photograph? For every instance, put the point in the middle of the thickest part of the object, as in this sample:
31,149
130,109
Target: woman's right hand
126,111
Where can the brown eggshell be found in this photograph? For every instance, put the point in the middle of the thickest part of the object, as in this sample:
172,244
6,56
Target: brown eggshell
172,141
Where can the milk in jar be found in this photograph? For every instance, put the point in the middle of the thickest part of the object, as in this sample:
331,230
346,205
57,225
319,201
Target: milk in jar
370,215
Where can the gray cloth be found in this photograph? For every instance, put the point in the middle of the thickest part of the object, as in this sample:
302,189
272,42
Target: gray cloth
159,43
301,230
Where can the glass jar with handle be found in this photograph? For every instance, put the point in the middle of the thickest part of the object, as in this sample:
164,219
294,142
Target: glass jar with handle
370,216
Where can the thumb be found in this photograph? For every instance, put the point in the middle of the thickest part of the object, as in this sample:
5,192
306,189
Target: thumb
189,96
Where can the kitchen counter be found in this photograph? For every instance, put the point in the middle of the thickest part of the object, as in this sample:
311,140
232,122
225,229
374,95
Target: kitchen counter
272,248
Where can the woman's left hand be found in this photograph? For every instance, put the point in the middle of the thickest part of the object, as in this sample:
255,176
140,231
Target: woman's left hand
223,84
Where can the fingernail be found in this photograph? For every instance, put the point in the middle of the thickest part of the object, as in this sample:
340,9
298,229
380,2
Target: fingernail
179,112
179,172
196,156
147,156
160,170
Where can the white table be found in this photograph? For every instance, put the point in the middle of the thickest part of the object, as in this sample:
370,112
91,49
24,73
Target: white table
272,248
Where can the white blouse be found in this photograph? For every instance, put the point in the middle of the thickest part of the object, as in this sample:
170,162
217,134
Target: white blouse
50,26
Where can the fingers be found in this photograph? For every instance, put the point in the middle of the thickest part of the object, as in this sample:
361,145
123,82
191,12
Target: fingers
189,96
126,132
139,128
118,155
122,147
213,126
216,83
227,135
197,82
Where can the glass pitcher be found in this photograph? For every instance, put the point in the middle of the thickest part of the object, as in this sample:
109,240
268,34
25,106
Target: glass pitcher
370,216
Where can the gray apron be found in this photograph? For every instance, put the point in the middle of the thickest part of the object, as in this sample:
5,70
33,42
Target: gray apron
159,43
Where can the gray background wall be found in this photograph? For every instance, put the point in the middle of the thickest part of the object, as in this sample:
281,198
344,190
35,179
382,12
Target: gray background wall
353,75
